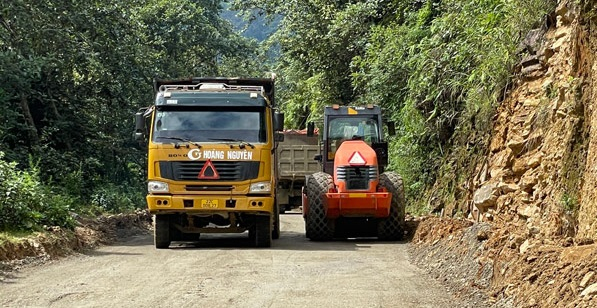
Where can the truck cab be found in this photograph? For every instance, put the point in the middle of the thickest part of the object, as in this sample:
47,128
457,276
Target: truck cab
211,164
343,123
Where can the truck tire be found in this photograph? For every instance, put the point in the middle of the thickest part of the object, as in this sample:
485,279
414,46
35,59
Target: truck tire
161,231
261,232
276,227
391,228
317,226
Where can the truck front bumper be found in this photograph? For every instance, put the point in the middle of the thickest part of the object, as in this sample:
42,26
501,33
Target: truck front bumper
358,204
209,203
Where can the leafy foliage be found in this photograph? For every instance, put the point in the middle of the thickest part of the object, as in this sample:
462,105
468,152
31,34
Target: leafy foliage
26,203
317,41
437,68
72,73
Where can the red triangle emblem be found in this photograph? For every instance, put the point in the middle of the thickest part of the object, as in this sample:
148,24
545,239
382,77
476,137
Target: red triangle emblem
208,172
357,159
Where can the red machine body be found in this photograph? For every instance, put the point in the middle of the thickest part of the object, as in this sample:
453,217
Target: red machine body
373,201
353,193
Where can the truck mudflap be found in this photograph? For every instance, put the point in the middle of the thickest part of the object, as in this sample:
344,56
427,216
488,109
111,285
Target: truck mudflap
356,204
209,203
304,202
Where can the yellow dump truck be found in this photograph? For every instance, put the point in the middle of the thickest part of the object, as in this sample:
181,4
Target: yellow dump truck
295,161
211,158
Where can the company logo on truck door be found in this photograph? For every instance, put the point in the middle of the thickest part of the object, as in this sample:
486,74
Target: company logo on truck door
196,154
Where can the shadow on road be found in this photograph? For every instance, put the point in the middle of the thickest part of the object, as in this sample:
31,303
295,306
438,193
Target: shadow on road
7,277
289,240
410,229
99,253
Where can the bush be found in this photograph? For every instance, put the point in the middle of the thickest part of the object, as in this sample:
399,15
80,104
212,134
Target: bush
114,199
26,204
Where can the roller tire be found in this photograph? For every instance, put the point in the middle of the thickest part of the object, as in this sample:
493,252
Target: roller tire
391,228
317,226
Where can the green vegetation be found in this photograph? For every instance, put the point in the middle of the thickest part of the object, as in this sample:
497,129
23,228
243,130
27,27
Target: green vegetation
569,204
26,203
13,236
74,72
72,75
438,68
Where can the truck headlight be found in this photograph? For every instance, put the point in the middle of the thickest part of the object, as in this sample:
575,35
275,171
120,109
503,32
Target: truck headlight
157,187
261,187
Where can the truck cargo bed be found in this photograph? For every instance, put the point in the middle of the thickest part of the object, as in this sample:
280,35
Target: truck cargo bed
296,161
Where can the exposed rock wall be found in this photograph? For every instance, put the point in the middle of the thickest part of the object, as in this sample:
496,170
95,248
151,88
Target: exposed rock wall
587,216
542,161
537,186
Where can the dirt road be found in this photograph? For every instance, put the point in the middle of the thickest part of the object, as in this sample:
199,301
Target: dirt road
224,271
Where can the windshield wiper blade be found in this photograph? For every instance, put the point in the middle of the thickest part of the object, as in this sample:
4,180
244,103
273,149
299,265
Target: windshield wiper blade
242,143
185,140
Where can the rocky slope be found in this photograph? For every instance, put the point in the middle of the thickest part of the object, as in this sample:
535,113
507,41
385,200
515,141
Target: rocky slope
534,198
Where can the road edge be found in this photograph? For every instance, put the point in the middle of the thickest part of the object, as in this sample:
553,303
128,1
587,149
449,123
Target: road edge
55,242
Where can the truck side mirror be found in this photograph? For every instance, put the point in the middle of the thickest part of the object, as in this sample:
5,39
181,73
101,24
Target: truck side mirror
278,121
310,129
381,149
139,127
391,129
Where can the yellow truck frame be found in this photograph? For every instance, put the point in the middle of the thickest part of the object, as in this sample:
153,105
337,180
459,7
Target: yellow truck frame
211,158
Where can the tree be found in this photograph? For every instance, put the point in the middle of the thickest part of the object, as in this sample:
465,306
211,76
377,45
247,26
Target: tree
317,40
74,72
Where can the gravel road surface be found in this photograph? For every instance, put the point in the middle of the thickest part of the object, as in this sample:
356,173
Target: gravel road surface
225,271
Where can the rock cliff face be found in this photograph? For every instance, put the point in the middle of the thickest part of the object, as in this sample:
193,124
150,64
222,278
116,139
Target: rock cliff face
533,198
587,216
541,168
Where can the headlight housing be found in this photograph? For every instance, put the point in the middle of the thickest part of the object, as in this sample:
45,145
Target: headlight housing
261,188
157,187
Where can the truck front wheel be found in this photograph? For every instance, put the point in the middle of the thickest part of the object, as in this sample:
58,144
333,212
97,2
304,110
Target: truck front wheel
261,232
161,231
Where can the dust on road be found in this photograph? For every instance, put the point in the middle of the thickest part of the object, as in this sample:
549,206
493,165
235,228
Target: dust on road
225,271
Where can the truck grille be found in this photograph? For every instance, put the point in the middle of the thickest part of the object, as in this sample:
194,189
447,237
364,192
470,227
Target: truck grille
227,170
357,177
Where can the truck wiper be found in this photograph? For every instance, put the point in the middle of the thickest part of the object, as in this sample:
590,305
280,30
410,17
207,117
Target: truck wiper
185,140
242,144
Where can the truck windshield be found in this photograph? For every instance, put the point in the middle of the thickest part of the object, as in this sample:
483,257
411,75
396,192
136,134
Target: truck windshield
203,125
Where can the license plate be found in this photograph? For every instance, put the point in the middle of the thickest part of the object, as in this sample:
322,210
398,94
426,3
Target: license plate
209,203
357,195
